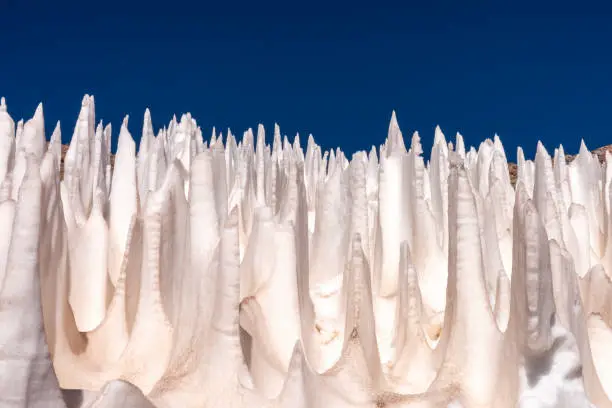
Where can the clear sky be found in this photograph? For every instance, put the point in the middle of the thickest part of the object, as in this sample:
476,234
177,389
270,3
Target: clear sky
332,69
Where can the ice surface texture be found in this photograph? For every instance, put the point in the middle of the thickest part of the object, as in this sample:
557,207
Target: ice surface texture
199,274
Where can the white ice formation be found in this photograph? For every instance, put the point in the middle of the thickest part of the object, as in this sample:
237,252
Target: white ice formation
200,274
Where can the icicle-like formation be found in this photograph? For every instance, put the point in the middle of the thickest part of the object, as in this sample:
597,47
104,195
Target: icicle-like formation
218,273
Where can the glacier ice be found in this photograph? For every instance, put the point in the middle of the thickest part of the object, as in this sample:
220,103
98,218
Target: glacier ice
186,272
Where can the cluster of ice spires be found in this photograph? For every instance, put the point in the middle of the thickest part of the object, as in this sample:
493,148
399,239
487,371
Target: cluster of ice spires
221,274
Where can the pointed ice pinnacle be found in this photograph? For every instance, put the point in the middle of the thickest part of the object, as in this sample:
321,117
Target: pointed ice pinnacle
393,274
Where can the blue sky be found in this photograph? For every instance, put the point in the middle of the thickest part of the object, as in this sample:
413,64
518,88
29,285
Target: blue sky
332,69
